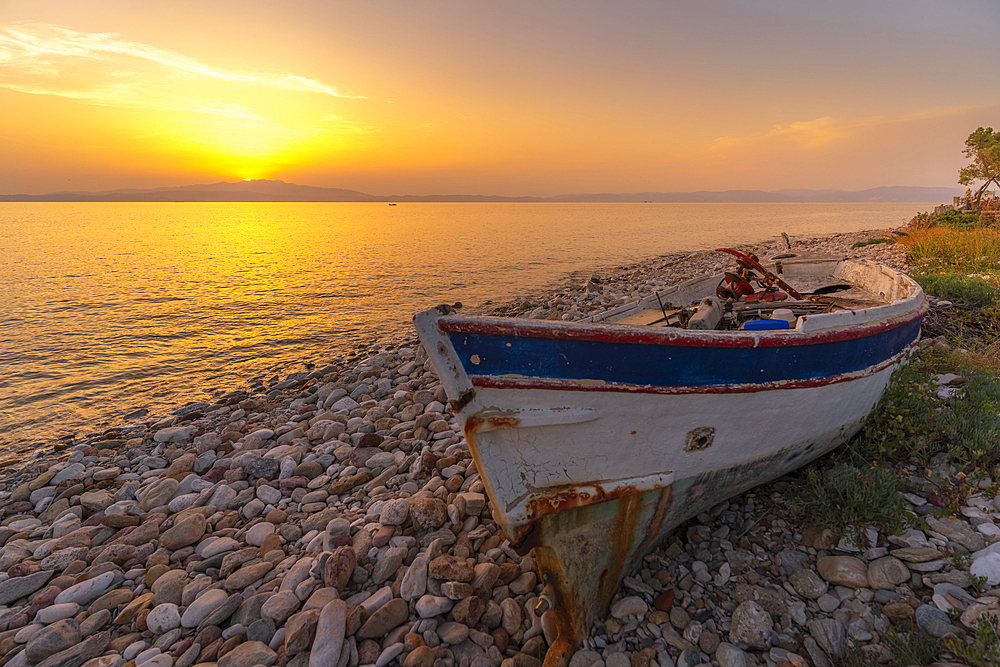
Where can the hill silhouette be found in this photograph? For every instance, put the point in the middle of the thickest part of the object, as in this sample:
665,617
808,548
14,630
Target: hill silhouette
264,190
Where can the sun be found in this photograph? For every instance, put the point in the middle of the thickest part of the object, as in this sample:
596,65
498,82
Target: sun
247,179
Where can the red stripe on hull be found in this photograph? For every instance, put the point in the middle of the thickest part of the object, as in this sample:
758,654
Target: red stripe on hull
664,336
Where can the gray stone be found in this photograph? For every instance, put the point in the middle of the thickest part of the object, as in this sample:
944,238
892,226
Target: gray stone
18,587
730,656
807,584
77,655
59,636
261,630
751,625
831,636
329,635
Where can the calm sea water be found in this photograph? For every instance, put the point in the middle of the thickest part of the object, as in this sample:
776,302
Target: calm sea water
112,309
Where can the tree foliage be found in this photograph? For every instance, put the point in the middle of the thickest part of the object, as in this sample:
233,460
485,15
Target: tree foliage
983,147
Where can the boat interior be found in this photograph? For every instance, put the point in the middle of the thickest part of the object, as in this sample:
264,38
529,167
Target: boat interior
766,294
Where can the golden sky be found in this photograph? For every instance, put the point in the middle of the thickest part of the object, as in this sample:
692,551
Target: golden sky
507,98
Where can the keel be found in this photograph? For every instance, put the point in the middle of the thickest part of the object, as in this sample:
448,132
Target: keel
584,552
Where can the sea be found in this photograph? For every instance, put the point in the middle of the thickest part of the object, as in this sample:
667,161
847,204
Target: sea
116,313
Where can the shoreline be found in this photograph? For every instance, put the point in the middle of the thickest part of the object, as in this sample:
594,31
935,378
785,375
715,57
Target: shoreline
339,511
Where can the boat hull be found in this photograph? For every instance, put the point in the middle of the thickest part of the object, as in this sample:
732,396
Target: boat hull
595,440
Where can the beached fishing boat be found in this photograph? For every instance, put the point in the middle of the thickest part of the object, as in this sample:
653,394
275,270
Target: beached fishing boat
596,438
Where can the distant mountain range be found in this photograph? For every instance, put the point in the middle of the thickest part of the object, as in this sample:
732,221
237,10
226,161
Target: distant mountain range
279,191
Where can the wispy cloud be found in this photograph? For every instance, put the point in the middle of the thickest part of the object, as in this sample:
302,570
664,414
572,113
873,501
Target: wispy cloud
106,69
823,132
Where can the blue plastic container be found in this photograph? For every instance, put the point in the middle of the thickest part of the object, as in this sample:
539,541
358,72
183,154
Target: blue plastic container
765,325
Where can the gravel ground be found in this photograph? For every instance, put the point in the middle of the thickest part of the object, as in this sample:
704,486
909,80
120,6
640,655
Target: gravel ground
336,518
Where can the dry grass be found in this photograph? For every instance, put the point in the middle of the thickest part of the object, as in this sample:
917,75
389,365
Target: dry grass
974,250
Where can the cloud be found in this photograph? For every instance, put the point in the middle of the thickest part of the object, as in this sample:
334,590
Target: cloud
106,69
824,132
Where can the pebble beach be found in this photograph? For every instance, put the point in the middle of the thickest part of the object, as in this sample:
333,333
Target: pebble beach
335,518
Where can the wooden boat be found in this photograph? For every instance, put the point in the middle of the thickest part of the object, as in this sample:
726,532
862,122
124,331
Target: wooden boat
596,438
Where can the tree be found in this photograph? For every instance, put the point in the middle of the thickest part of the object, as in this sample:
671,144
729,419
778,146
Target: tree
983,146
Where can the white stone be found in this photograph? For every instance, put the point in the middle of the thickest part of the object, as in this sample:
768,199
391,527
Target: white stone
183,502
163,618
203,605
987,566
134,649
56,612
255,536
429,606
268,494
629,606
218,546
174,434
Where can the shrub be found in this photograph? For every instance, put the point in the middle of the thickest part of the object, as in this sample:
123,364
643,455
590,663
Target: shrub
957,219
846,499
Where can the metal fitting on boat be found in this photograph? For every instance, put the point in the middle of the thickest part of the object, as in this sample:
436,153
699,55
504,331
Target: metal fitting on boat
544,601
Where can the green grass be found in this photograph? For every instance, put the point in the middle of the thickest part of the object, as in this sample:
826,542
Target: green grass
954,286
911,648
982,649
912,424
862,244
846,500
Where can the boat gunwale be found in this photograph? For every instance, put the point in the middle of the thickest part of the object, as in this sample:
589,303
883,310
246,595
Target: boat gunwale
646,335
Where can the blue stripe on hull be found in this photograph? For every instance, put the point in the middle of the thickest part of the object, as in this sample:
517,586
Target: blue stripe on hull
675,365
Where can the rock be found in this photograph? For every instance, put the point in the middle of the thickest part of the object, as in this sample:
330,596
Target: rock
427,513
54,638
340,567
970,617
86,591
450,568
280,606
629,607
261,467
158,494
163,618
97,500
886,573
831,636
300,631
394,512
256,534
203,605
246,575
807,584
843,571
248,654
730,656
429,606
330,631
19,587
415,580
751,624
188,532
74,656
916,554
987,565
386,618
959,531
